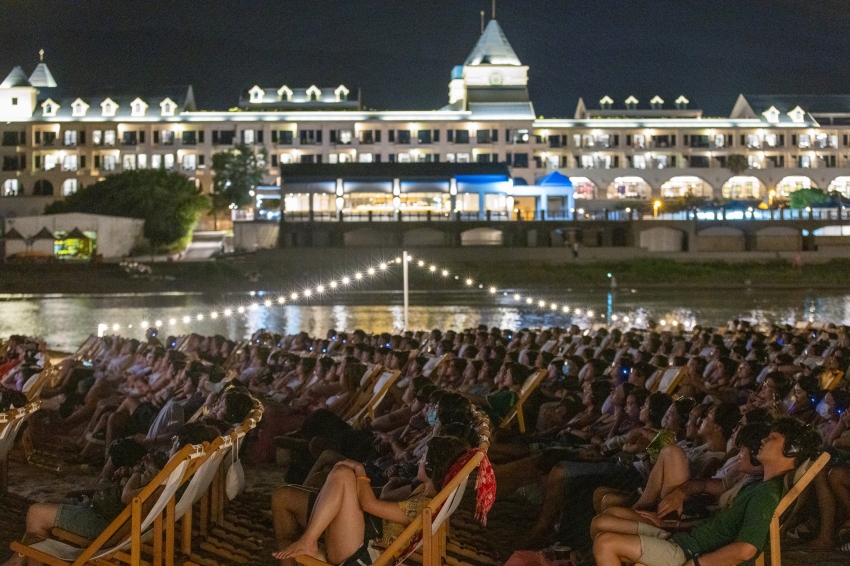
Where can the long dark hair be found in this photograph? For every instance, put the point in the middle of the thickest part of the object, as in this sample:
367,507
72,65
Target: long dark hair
443,452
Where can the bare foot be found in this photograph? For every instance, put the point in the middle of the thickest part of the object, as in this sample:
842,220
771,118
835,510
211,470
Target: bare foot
297,548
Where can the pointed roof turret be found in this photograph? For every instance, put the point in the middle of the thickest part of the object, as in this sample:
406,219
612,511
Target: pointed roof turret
41,76
493,48
16,78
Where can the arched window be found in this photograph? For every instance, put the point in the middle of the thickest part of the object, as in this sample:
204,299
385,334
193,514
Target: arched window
43,188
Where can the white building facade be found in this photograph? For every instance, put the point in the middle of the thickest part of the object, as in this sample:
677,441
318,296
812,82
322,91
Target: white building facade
611,149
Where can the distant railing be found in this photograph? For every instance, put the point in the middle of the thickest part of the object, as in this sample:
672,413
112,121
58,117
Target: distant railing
579,215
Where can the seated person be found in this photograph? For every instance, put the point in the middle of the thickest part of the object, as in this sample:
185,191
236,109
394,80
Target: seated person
736,534
347,512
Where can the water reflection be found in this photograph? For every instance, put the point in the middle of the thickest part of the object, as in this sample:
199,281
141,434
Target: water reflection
65,321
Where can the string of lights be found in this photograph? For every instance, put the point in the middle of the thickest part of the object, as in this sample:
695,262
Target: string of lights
354,279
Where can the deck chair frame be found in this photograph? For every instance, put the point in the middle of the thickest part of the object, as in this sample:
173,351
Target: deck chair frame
531,383
10,423
786,502
94,553
377,397
432,522
669,385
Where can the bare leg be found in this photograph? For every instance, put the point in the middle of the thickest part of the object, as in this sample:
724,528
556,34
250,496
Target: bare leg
289,513
554,500
839,483
671,471
323,466
337,511
41,517
613,549
826,508
616,520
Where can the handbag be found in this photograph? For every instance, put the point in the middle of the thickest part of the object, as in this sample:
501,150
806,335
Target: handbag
235,480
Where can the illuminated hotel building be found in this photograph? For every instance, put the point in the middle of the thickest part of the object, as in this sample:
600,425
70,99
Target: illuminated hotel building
610,149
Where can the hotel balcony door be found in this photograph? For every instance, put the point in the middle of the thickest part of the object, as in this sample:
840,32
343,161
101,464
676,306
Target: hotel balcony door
526,206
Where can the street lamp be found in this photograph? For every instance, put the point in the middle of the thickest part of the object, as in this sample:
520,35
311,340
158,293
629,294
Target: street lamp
655,206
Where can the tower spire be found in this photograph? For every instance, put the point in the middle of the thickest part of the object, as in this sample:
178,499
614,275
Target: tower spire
41,55
493,16
482,22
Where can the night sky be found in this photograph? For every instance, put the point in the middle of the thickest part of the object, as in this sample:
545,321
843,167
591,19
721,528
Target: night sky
400,53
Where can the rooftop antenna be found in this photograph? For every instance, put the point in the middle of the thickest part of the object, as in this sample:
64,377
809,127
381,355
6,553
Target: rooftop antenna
41,55
482,22
494,10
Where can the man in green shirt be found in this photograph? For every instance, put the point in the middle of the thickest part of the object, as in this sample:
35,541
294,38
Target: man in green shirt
735,535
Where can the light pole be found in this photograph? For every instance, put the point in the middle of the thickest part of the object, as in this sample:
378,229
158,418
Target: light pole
405,259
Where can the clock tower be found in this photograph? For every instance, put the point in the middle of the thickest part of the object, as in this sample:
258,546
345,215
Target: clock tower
491,73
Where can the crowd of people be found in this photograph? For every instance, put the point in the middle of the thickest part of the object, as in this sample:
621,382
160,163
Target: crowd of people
624,464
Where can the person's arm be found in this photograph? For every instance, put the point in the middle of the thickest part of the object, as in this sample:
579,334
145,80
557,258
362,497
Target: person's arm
676,498
389,510
734,553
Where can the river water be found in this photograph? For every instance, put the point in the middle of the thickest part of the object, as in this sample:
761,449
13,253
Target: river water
65,321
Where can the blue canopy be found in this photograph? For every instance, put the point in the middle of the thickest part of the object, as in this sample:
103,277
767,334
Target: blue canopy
554,179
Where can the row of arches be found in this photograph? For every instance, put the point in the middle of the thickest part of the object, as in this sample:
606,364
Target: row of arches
41,188
738,187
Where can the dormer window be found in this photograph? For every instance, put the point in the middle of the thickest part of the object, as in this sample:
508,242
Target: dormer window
798,115
108,107
656,103
79,108
606,103
256,94
314,94
49,108
682,103
341,93
167,107
285,93
138,107
631,103
771,115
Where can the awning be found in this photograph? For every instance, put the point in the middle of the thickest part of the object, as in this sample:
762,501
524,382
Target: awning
44,234
76,234
13,235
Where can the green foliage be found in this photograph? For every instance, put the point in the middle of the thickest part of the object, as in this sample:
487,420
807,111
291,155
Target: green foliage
168,202
803,198
737,164
237,172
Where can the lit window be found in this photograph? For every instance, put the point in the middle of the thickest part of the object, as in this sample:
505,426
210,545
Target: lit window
69,187
403,158
450,158
142,160
109,137
463,158
345,136
365,158
97,137
719,140
753,141
49,162
639,162
190,162
248,136
109,163
70,137
156,161
69,163
805,141
168,160
11,188
128,162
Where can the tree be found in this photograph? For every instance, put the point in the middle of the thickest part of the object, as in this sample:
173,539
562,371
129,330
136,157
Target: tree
737,164
804,198
237,172
168,202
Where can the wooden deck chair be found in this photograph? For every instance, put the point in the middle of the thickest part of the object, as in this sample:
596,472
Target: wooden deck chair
671,379
529,385
10,423
790,498
84,348
432,523
432,364
104,550
380,389
363,394
830,379
654,380
33,386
